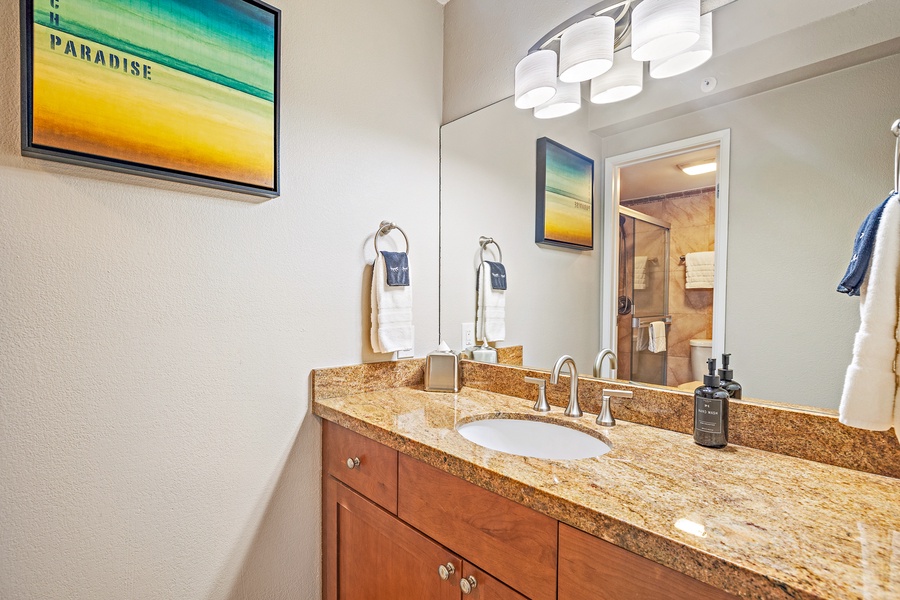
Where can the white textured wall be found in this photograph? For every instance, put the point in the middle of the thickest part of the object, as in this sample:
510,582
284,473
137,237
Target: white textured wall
156,339
808,162
488,188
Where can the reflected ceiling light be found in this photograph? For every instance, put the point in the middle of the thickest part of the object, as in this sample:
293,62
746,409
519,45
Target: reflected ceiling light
699,167
662,28
691,58
586,49
691,527
624,80
566,101
535,79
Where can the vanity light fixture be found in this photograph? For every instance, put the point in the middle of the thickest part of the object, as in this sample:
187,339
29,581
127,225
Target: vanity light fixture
691,58
663,28
674,36
699,167
624,80
566,101
586,49
535,79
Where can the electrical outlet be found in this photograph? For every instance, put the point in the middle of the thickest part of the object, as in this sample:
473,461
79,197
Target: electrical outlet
468,335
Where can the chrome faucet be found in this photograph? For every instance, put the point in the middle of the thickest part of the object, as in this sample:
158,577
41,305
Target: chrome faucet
605,418
572,410
598,362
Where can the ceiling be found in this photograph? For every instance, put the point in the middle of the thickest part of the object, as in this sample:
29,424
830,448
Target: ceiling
662,176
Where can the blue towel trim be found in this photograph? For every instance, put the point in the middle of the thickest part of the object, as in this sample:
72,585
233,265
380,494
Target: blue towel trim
498,275
862,251
396,264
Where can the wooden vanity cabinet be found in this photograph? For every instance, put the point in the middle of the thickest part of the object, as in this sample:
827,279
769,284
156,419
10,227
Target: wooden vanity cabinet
390,522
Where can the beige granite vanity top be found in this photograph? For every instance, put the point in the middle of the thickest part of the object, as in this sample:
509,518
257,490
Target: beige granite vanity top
771,526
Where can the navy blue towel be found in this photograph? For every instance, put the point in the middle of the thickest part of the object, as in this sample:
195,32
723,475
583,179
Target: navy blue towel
862,251
396,264
498,275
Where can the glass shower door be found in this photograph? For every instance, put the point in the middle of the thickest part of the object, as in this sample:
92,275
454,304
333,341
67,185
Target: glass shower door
649,259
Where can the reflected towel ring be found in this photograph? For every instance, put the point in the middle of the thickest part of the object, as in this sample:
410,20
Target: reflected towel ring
385,228
484,242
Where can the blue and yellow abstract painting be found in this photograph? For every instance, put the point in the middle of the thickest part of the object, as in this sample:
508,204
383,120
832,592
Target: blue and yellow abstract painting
565,202
187,86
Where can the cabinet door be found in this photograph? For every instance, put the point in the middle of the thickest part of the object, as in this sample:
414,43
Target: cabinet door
486,587
592,569
371,555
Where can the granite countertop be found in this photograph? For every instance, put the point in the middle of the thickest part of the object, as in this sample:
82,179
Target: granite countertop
759,524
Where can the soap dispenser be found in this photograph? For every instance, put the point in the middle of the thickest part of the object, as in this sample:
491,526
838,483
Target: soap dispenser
727,381
711,411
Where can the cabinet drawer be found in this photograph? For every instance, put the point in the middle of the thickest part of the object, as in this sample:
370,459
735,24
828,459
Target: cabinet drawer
593,569
513,543
376,474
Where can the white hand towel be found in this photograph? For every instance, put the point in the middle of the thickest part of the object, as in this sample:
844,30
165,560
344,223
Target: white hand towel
640,272
491,309
392,325
641,341
870,386
700,270
657,337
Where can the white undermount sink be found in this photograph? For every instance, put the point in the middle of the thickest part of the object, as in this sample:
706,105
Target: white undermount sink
537,439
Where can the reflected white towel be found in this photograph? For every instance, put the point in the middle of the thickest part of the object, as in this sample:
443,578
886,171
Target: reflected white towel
700,269
657,337
870,386
491,309
641,341
640,272
392,324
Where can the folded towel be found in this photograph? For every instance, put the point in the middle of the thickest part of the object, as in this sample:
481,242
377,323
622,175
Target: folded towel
491,307
396,265
657,337
641,339
862,251
870,386
392,324
640,272
700,270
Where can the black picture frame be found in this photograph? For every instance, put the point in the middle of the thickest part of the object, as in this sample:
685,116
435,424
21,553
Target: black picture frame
564,204
36,149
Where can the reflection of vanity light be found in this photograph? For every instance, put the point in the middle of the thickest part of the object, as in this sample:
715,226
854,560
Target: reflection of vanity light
688,526
699,167
566,101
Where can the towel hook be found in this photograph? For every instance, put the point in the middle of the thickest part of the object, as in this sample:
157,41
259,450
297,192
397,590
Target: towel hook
895,129
385,228
484,242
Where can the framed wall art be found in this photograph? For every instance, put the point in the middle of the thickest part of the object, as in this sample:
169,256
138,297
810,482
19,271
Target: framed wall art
185,90
564,213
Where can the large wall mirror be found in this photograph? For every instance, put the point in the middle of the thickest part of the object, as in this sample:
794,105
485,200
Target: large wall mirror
808,160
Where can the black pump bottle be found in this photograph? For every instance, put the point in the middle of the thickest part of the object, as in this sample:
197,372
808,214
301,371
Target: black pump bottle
711,411
727,382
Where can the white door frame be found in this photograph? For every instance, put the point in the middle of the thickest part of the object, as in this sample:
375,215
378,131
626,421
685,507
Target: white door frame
608,319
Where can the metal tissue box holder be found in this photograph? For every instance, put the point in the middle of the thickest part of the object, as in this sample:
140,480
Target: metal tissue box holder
442,370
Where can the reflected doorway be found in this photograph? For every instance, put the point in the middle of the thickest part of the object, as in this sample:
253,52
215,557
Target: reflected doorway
664,261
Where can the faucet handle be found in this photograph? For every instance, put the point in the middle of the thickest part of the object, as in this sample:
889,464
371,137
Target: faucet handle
605,418
541,405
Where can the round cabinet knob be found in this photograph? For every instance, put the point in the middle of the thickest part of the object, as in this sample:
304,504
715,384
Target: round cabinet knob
352,462
445,571
467,585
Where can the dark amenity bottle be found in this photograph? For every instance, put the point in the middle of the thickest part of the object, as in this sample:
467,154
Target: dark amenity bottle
711,411
727,381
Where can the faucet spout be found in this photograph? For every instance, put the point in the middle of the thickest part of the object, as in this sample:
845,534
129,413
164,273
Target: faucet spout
573,409
598,362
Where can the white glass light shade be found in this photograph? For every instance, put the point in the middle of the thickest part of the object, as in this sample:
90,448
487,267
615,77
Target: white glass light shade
691,58
624,80
661,28
586,49
535,79
566,101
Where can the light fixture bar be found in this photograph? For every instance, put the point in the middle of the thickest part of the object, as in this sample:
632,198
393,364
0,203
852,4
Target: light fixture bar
699,167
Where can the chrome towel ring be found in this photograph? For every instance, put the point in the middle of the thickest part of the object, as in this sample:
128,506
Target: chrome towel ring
385,228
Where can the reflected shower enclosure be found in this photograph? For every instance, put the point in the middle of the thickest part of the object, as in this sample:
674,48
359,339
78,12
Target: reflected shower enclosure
643,294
